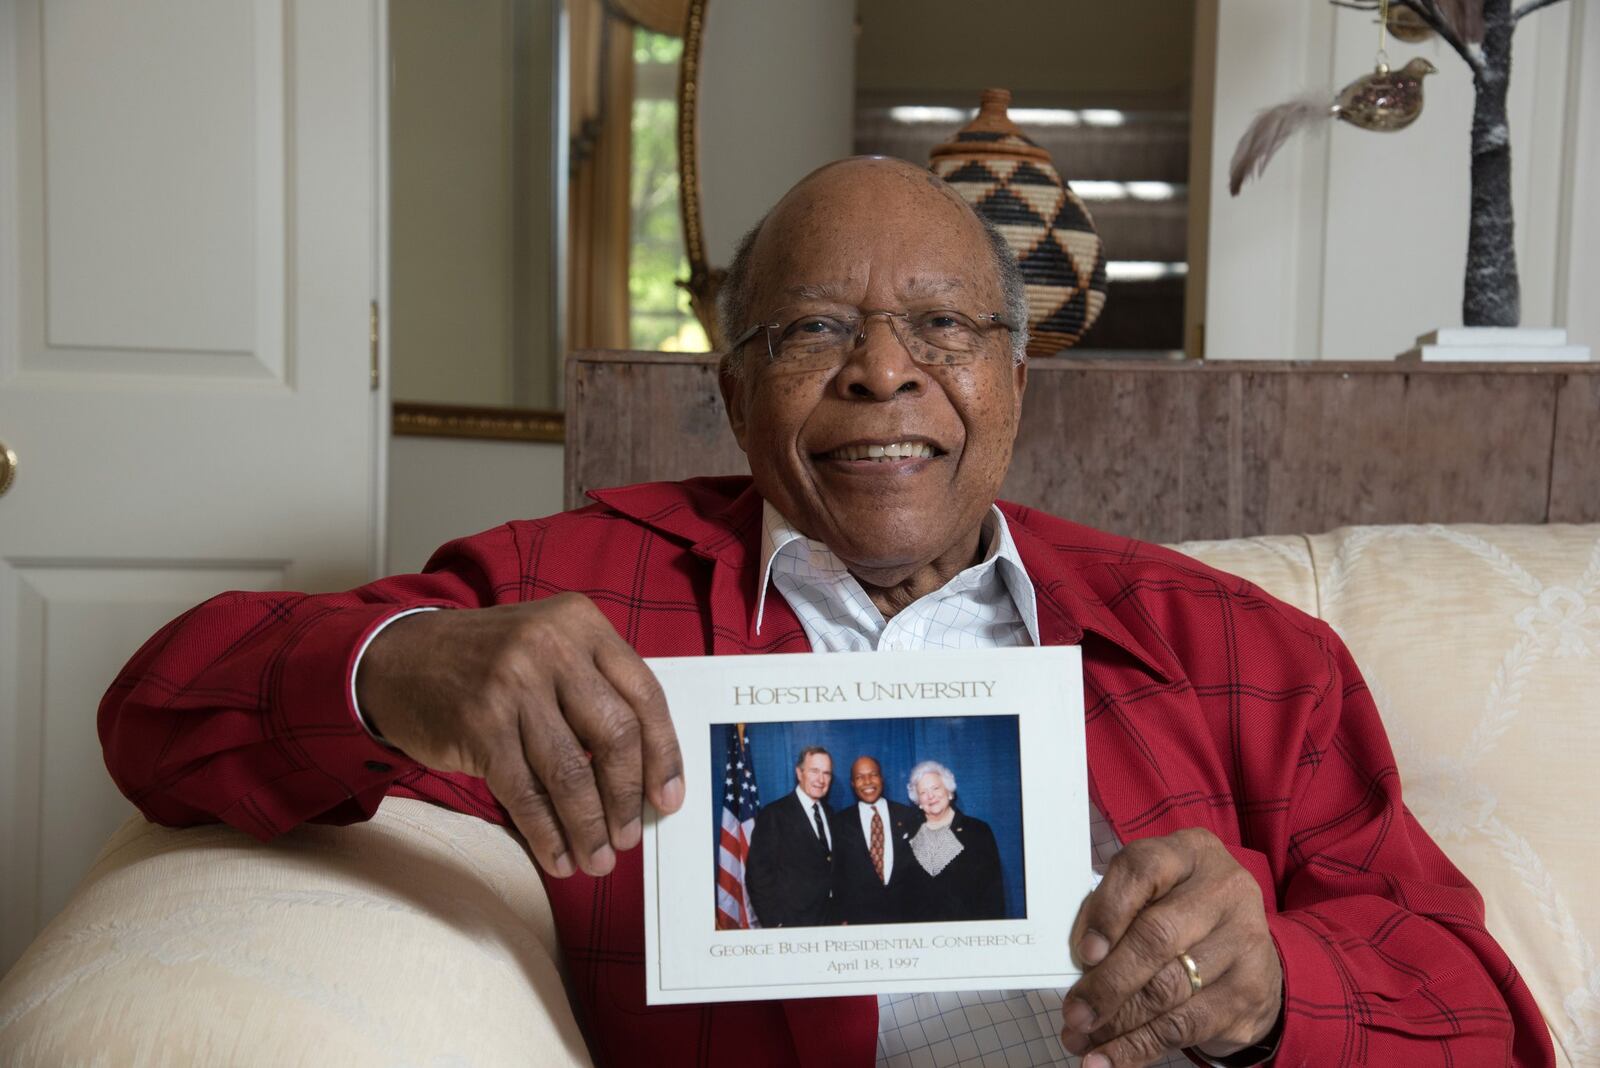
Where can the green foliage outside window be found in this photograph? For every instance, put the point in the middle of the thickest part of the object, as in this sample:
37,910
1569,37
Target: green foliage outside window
659,313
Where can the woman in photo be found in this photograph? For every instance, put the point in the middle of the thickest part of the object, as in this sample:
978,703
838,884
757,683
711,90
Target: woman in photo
955,851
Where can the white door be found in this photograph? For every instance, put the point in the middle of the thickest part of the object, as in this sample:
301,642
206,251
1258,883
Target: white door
189,242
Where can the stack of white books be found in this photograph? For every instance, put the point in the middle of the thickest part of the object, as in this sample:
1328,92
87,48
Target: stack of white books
1496,344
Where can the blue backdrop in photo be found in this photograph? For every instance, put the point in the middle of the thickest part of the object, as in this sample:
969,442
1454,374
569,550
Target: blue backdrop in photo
982,752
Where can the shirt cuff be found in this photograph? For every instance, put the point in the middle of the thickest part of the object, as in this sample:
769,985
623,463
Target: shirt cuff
355,668
327,767
1249,1057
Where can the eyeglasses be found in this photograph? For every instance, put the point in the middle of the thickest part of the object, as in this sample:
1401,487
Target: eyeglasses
813,340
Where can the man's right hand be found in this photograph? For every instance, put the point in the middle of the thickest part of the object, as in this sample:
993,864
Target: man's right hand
547,704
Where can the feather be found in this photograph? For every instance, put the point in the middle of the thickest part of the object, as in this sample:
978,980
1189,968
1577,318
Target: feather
1267,133
1465,17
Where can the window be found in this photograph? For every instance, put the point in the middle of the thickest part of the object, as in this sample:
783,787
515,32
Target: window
659,314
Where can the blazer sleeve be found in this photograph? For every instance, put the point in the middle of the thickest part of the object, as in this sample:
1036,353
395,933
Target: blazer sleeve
1382,940
240,710
990,897
763,869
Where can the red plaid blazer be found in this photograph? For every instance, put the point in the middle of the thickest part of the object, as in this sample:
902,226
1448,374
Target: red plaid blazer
1209,704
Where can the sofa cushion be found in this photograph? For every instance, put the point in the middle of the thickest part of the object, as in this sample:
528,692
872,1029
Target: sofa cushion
1481,645
422,937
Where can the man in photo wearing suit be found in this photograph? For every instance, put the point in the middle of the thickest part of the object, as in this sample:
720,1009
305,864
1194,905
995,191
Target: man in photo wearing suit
790,869
872,862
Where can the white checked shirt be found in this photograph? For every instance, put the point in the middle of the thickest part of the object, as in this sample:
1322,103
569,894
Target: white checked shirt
988,605
812,809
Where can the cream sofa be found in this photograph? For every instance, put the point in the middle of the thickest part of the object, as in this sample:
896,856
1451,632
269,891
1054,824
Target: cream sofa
423,937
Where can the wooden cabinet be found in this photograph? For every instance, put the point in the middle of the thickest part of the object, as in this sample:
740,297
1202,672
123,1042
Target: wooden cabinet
1169,451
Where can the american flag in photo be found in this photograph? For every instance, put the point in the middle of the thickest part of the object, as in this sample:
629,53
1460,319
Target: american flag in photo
740,802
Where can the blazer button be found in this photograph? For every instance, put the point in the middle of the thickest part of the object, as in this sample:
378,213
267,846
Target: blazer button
379,766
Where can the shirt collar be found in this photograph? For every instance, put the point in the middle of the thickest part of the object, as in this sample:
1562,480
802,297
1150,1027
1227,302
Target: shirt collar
721,520
778,535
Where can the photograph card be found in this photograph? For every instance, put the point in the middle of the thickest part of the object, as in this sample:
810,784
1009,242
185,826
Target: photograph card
867,823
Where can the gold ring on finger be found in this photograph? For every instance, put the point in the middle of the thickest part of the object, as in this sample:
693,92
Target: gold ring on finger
1193,971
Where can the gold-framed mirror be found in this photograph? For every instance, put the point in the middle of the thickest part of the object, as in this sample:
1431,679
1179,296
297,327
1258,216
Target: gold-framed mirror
534,203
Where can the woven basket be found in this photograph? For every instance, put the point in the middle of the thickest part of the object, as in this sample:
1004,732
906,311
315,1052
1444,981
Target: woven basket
1010,181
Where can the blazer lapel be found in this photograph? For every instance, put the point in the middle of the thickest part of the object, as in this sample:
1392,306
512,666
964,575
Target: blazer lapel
851,832
804,827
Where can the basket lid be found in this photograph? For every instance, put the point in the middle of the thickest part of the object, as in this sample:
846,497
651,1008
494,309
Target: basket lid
991,133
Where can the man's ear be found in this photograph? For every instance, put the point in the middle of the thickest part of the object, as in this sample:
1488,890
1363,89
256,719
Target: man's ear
732,386
1019,378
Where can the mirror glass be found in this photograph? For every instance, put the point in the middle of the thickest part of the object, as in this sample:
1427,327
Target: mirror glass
1105,88
473,146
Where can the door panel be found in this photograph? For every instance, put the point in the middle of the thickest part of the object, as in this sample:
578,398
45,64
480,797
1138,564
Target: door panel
188,252
65,615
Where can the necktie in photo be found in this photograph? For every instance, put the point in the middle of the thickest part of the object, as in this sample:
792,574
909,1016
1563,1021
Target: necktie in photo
876,845
816,814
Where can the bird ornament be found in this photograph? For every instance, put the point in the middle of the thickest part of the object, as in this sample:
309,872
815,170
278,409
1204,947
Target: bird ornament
1385,100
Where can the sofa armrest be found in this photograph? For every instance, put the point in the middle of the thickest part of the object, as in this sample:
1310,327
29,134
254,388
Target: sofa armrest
1481,646
423,936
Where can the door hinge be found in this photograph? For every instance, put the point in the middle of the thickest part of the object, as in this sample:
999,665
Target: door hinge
373,370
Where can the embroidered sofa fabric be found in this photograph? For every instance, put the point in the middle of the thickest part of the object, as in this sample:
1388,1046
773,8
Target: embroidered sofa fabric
420,937
1481,645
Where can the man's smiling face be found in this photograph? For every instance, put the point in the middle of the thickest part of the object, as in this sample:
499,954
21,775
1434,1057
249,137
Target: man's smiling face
815,775
878,235
867,779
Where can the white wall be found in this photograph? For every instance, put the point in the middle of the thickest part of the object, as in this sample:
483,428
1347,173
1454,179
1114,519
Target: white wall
777,100
1579,239
444,488
1353,243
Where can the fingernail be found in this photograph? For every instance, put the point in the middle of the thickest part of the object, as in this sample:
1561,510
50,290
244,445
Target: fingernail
1094,947
563,866
629,836
672,794
602,859
1075,1042
1097,1060
1078,1015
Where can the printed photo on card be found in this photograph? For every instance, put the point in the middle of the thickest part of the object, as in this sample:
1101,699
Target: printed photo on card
869,823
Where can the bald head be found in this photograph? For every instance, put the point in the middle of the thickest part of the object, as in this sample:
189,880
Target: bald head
897,192
854,204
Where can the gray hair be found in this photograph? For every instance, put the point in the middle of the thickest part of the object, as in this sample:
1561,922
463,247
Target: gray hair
734,297
811,751
931,767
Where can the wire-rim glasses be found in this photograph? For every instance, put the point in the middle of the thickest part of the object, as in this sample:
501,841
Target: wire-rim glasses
935,337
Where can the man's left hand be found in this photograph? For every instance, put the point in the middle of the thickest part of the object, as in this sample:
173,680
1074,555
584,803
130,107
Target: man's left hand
1163,897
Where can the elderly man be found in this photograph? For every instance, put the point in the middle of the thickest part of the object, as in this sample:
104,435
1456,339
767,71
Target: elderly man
790,869
1266,893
